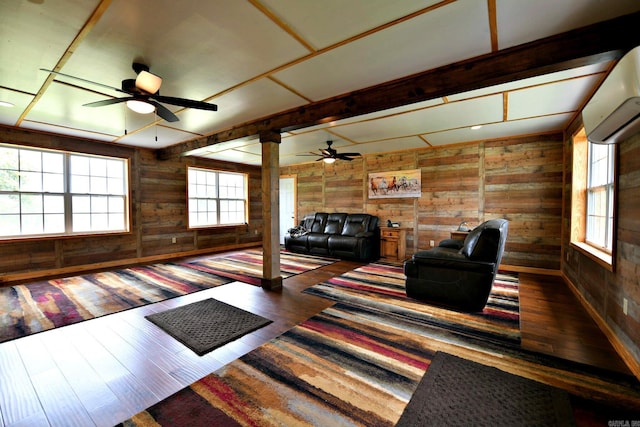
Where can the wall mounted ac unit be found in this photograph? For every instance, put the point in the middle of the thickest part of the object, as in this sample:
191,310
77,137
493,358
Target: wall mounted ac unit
613,113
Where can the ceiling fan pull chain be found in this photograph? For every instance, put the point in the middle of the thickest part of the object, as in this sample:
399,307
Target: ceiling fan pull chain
124,111
155,113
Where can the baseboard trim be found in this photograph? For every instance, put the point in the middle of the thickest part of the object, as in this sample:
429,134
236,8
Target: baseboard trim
532,270
619,347
16,278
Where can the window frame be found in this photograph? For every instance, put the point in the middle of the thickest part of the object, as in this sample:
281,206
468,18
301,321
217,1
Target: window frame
216,200
67,195
581,175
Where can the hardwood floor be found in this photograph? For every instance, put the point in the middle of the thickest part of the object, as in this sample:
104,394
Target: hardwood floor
103,371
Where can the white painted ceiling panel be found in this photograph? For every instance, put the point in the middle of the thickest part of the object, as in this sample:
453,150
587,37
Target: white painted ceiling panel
327,22
30,34
445,116
559,97
244,104
197,47
500,130
411,46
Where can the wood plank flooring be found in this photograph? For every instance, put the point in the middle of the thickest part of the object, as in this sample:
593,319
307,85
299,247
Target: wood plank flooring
103,371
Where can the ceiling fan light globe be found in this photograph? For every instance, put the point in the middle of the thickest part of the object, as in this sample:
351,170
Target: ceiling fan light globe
148,82
140,106
329,160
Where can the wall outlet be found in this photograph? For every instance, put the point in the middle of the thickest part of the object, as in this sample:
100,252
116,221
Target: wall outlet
174,240
432,243
625,306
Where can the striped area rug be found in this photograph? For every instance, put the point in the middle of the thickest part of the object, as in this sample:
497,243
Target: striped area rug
350,366
381,287
40,306
246,266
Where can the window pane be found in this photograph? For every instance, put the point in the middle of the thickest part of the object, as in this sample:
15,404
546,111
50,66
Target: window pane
79,184
9,204
54,204
30,160
30,203
81,204
54,223
32,224
30,181
53,162
9,225
53,183
79,165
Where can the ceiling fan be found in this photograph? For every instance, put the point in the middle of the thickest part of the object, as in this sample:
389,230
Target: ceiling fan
144,96
330,155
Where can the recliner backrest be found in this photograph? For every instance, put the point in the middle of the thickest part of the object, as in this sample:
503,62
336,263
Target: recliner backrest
486,241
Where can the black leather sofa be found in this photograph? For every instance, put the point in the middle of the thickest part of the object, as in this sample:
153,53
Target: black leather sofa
340,235
459,273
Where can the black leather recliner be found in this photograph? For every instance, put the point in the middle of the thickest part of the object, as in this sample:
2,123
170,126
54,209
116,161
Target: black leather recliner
460,273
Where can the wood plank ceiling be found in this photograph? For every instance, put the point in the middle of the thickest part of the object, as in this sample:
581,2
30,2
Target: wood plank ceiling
322,65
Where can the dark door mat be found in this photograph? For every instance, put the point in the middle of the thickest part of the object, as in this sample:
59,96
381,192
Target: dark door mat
456,391
206,325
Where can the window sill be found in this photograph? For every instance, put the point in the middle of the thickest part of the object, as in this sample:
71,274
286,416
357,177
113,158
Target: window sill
602,258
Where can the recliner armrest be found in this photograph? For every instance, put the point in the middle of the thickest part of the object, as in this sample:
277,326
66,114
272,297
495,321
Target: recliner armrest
450,259
451,243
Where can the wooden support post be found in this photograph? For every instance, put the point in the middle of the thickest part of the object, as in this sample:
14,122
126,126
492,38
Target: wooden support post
271,278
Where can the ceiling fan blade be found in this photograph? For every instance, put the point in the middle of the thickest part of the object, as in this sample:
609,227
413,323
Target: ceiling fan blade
108,102
350,154
189,103
83,80
343,157
163,111
324,151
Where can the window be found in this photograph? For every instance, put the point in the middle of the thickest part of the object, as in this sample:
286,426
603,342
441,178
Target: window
593,199
216,197
600,197
46,192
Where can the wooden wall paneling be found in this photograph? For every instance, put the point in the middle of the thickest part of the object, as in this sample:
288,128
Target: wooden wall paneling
25,255
89,250
400,210
523,183
343,186
450,182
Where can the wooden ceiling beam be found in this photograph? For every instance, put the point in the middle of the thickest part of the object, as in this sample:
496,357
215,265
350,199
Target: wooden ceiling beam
599,42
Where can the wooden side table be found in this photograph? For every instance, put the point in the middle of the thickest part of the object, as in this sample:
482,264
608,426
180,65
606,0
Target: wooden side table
393,243
460,235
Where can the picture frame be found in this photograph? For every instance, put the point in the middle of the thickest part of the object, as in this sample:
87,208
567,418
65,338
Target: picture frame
394,184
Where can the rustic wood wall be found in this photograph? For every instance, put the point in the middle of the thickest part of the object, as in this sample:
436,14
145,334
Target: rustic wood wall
158,214
604,290
519,179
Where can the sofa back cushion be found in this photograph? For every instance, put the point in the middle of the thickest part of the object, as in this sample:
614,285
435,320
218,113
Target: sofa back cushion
319,222
334,224
486,241
356,223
